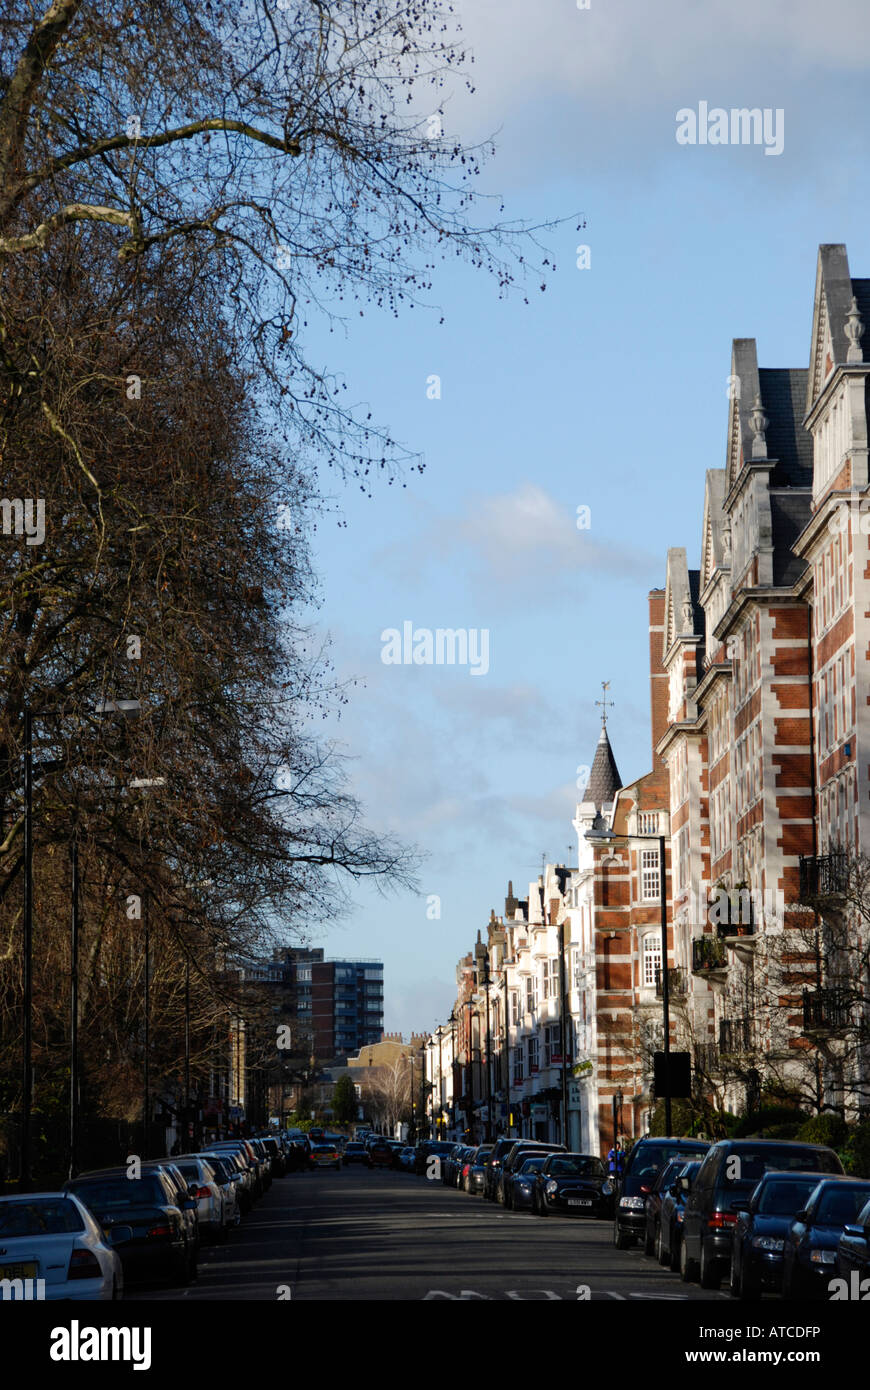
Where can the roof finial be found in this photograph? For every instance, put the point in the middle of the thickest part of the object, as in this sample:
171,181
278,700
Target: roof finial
604,702
759,422
854,331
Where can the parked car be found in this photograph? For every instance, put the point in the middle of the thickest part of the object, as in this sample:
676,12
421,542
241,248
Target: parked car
151,1237
184,1195
729,1173
430,1148
521,1148
573,1184
670,1231
448,1164
53,1237
212,1214
244,1151
853,1248
665,1178
228,1178
326,1156
241,1176
520,1184
642,1167
500,1150
758,1238
356,1153
381,1154
476,1174
275,1150
406,1158
810,1254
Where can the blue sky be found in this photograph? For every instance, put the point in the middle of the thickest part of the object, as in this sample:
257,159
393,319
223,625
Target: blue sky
609,391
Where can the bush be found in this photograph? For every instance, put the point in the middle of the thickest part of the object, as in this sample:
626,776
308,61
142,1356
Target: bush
856,1151
759,1125
826,1128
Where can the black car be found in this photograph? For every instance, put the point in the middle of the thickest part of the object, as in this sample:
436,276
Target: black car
520,1149
146,1206
853,1252
642,1167
810,1254
665,1180
519,1188
449,1164
500,1150
759,1235
574,1185
730,1172
356,1152
673,1209
429,1149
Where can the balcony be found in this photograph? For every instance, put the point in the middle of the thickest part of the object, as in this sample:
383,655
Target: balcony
826,1010
676,984
705,1058
734,1035
823,876
709,956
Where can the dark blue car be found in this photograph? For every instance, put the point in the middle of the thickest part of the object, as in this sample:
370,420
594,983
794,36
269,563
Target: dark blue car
810,1254
760,1232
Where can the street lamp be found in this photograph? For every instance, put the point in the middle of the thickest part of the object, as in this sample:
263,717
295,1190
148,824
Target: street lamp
601,834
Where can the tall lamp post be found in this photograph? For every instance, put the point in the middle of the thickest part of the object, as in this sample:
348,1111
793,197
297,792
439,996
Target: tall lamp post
603,835
487,983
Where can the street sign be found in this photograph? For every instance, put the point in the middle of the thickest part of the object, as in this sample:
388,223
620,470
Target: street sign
575,1092
672,1073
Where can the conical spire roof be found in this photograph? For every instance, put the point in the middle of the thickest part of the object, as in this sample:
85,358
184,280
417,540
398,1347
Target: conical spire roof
604,779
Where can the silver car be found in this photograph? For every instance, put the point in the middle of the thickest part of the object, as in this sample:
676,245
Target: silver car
51,1247
198,1173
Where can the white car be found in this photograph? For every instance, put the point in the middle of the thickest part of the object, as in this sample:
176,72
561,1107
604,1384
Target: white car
51,1247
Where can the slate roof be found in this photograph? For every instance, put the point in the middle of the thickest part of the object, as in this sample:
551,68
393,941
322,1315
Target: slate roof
783,396
789,514
604,779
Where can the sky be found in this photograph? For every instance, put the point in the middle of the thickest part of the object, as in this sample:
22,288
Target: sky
608,391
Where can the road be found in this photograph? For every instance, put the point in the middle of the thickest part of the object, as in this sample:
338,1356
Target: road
357,1234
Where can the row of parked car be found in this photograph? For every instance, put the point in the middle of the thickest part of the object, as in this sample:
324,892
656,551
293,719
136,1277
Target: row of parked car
147,1220
769,1215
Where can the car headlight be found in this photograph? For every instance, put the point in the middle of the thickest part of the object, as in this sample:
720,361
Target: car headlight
767,1243
552,1187
631,1203
607,1188
823,1257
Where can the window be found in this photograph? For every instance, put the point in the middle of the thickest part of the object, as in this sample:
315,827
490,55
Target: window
577,968
518,1074
515,1006
552,1044
650,889
551,978
532,1052
652,960
648,823
531,993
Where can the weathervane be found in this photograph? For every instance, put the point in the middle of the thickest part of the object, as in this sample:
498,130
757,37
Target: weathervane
604,702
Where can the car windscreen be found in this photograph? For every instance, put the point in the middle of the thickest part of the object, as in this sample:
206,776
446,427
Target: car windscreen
39,1216
784,1198
533,1165
569,1167
839,1206
191,1172
118,1193
746,1167
646,1162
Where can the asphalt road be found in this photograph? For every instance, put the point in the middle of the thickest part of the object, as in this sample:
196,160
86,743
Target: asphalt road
356,1234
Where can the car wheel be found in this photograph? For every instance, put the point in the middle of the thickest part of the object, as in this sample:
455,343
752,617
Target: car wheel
621,1239
662,1255
749,1289
734,1277
649,1242
544,1209
674,1261
688,1267
708,1274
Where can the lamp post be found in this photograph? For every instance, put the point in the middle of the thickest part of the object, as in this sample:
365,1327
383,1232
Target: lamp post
451,1019
603,835
487,985
563,1028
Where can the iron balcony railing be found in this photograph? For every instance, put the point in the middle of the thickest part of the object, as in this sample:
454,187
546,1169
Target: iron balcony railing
823,875
705,1058
708,953
826,1009
676,983
734,1035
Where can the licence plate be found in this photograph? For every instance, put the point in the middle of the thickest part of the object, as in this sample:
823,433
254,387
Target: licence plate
579,1201
22,1271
